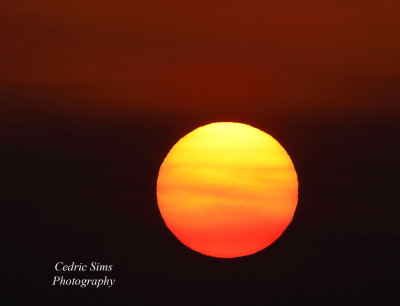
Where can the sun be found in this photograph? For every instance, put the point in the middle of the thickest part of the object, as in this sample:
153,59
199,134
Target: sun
227,190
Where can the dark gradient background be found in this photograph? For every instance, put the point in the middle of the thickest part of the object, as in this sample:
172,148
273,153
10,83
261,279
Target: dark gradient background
94,94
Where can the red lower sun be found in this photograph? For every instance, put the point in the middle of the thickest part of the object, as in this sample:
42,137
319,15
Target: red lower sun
227,190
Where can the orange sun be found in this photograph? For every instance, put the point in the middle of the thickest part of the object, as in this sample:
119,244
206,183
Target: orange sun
227,190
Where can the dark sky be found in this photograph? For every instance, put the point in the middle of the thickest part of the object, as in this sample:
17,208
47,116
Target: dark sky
94,94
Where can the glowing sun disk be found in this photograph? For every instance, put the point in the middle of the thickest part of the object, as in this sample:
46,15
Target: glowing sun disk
227,190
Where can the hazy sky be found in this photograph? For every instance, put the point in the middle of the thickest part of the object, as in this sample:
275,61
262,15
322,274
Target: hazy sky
279,56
